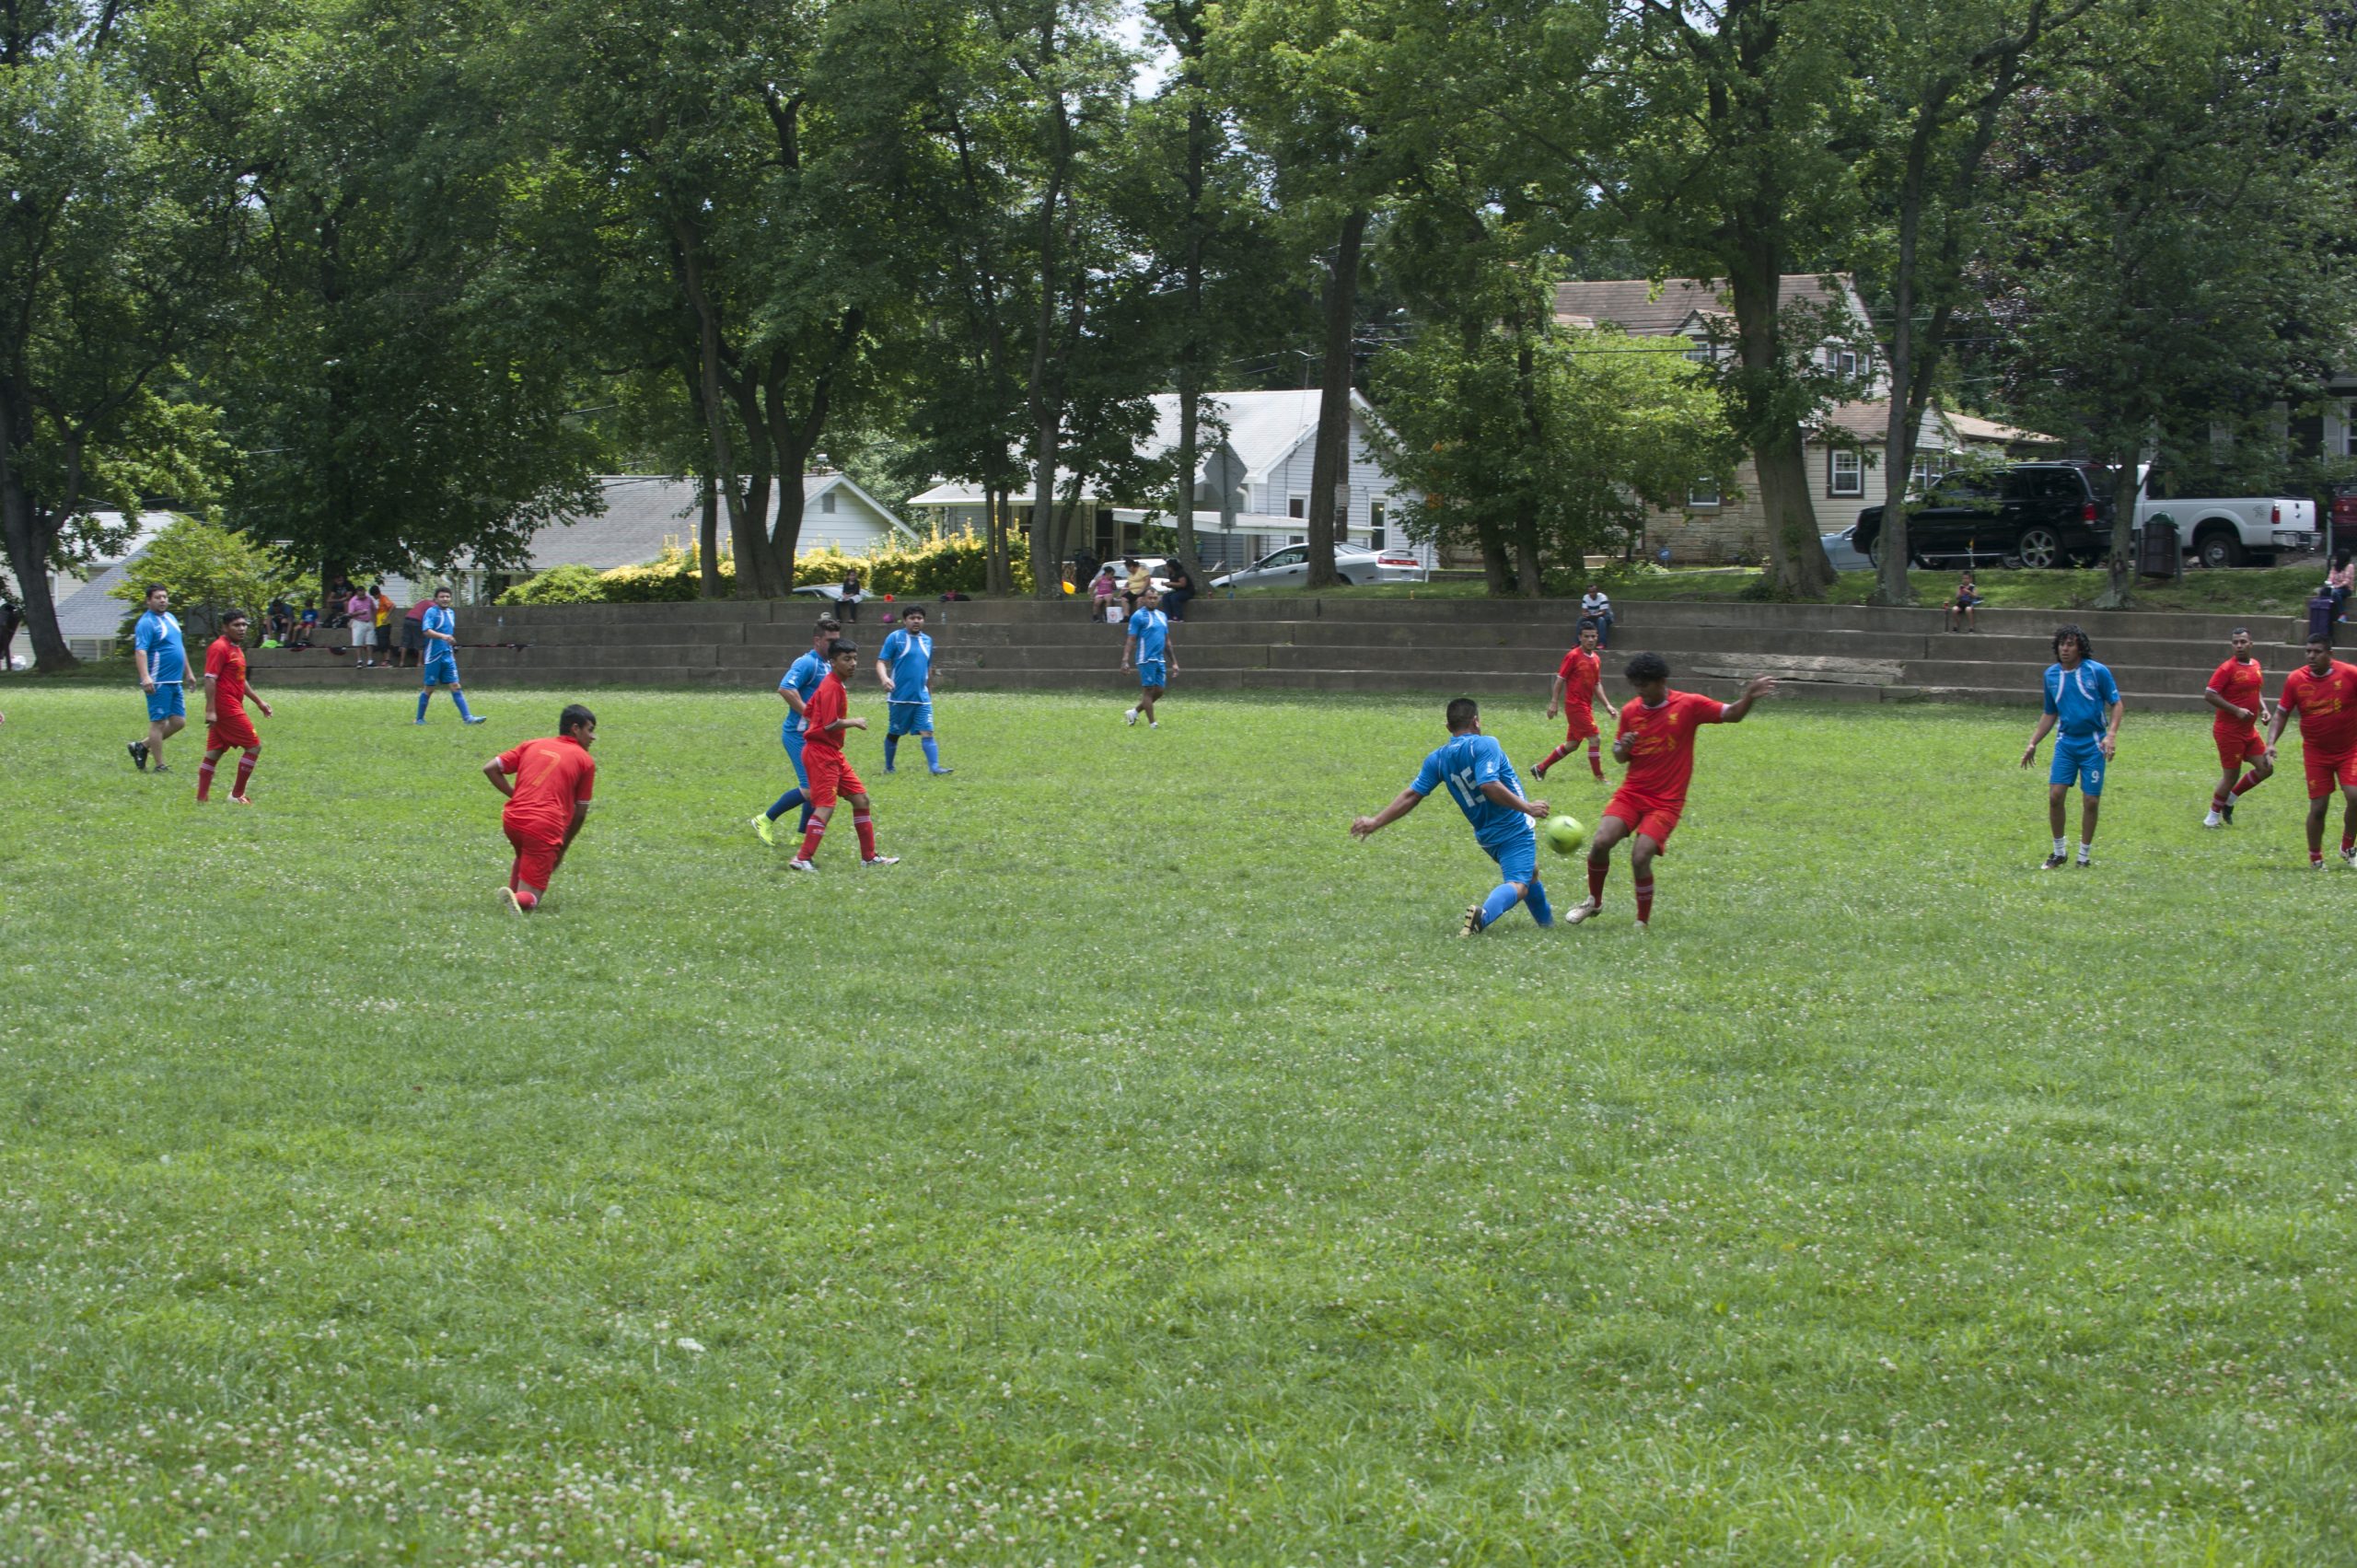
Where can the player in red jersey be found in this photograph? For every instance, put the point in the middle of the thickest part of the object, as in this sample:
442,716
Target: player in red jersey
227,727
1656,740
824,719
2323,691
2237,694
1579,682
547,803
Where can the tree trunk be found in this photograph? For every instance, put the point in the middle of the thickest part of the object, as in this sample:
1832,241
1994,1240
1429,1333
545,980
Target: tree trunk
1797,562
28,537
1191,373
1046,579
2119,592
708,538
1891,585
1330,469
1497,571
716,417
1529,578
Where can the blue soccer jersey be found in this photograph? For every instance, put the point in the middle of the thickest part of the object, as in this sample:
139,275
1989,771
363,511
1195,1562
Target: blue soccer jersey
1152,629
909,655
1464,765
802,678
159,636
2078,697
440,619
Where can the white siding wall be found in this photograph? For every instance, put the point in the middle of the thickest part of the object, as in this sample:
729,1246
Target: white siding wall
853,528
1369,483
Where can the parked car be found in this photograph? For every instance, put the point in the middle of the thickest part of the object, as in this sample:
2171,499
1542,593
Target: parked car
2233,531
2034,514
1354,564
1841,548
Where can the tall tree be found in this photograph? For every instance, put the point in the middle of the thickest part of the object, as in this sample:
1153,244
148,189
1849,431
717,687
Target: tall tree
118,245
2162,265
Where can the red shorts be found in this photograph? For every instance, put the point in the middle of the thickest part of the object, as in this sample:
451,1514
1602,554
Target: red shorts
830,774
2327,770
233,731
536,853
2238,746
1579,723
1645,814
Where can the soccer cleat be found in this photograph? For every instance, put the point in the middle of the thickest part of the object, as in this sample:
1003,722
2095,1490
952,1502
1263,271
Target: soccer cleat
1586,909
799,864
2055,862
2348,858
2085,862
159,768
1539,771
2227,811
1130,717
2213,820
1472,926
941,773
514,906
762,827
139,755
1153,723
417,721
476,718
881,860
240,800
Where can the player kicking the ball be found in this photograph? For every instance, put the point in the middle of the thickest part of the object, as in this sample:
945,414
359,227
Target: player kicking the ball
823,722
2084,700
2323,691
227,727
2237,694
547,803
1656,741
1578,684
904,665
1475,771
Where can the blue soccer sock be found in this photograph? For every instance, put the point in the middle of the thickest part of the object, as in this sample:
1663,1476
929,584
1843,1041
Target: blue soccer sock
891,749
460,697
932,753
785,803
1541,909
1502,899
423,698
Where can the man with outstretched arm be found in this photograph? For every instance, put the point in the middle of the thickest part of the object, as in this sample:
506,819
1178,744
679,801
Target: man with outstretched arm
1473,769
2323,691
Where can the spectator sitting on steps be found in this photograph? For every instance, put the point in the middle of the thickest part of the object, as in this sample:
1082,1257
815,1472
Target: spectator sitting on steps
1596,606
1962,608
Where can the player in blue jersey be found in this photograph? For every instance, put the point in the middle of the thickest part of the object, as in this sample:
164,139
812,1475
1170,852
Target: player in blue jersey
1144,647
2083,701
801,679
441,628
160,656
904,665
1474,769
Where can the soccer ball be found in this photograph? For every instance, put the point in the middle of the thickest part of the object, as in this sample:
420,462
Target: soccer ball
1564,834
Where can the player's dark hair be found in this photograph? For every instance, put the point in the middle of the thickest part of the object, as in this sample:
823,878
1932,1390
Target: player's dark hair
915,609
573,718
234,617
1587,624
828,623
840,647
1647,666
2086,644
2239,632
437,593
154,588
1462,711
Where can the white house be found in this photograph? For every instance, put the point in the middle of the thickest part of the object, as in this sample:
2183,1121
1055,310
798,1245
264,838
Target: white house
1255,451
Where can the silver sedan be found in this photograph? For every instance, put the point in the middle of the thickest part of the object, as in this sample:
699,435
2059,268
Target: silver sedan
1354,564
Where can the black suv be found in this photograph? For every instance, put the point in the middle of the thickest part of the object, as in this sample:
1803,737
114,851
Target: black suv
2034,514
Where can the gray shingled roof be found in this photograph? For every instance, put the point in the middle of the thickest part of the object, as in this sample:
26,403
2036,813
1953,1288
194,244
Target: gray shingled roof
1631,303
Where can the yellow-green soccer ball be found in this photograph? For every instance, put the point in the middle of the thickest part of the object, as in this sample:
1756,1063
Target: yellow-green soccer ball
1564,835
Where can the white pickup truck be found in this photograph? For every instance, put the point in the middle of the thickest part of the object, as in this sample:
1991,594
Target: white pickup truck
2242,530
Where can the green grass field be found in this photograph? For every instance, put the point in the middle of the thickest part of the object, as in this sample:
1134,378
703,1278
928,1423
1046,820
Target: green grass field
1143,1171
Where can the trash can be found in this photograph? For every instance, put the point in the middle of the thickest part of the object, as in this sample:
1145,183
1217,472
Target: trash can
2159,554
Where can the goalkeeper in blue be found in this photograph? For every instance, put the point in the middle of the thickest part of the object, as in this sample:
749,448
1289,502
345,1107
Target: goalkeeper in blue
904,664
1474,769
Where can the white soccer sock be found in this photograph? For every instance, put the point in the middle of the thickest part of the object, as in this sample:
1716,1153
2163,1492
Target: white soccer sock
2085,849
2061,845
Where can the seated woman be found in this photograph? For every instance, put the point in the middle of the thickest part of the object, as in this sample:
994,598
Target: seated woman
2338,582
1966,600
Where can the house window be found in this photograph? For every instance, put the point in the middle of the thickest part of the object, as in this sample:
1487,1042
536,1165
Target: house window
1844,360
2348,428
1846,472
1703,492
827,502
1375,517
1699,350
1299,506
1925,468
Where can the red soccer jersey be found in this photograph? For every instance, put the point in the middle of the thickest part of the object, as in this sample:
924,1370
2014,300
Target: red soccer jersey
225,665
1661,761
1580,672
551,775
826,705
2239,682
2326,705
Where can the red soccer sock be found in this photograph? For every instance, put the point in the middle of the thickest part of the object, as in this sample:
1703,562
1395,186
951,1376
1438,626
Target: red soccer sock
864,826
204,780
1645,901
2250,782
1554,757
1595,755
810,836
1595,875
245,761
2217,801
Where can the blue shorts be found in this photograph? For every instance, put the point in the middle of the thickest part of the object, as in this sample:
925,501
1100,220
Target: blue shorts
167,701
1517,862
909,718
441,672
1150,673
2079,759
792,740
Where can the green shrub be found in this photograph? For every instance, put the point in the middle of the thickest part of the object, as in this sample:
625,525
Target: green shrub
558,585
922,570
